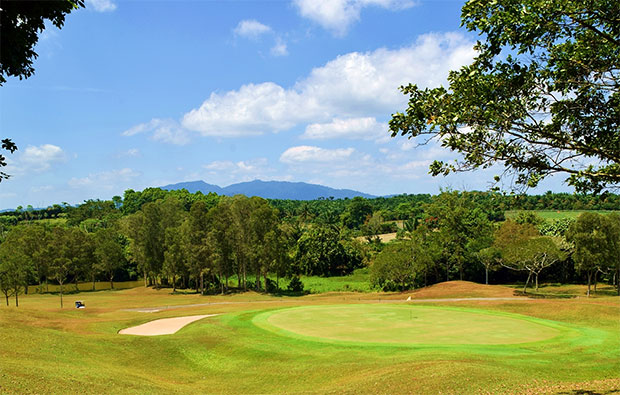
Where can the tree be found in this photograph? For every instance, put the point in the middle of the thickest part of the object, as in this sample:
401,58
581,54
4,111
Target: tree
108,252
263,223
199,251
614,236
357,212
461,223
394,268
221,237
532,255
541,97
489,257
175,256
320,253
14,272
5,283
511,232
31,241
595,238
21,23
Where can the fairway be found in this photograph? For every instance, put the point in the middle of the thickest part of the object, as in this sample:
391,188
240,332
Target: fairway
402,324
315,344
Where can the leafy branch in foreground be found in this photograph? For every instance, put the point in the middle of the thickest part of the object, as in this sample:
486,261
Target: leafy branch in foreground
541,97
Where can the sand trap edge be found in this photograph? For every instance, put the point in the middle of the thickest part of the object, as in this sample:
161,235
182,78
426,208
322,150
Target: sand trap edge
163,326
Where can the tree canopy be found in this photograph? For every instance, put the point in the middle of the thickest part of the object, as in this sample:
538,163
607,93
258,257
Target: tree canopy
541,97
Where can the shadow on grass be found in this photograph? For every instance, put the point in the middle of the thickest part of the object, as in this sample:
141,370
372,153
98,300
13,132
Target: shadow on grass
535,295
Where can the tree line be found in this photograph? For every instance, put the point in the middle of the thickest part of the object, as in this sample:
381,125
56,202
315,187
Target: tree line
201,242
170,242
458,240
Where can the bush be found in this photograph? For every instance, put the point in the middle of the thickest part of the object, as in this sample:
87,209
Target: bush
295,285
272,287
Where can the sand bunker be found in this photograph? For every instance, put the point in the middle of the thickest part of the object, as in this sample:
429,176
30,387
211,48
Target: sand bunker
164,326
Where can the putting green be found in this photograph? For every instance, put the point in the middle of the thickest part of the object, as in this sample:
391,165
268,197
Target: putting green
403,324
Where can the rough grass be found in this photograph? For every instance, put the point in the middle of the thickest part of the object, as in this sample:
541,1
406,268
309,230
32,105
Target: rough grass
358,281
47,350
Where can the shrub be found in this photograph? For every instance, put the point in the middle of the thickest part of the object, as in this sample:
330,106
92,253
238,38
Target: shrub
295,285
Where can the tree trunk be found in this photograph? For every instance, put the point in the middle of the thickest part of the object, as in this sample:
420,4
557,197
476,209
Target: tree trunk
245,278
595,281
145,280
61,306
75,281
174,283
202,283
6,295
486,275
239,280
16,298
536,276
258,280
112,281
447,271
265,278
529,274
589,281
219,275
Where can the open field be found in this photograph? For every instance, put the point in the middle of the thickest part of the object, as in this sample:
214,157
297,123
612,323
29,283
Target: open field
556,214
366,342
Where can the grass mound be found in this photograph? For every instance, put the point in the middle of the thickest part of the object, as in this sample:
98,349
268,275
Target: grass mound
459,289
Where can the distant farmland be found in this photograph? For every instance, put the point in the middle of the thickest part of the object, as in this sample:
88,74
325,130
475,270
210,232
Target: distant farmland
556,214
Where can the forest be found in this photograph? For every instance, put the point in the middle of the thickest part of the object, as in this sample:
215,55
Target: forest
217,244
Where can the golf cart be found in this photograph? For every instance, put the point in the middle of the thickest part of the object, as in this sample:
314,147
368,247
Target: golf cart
80,305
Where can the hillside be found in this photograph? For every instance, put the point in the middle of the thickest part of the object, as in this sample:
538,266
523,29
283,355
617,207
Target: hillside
270,190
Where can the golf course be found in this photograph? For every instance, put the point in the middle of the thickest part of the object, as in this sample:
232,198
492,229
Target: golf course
453,337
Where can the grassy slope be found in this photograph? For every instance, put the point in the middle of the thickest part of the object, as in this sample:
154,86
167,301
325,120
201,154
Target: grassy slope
48,350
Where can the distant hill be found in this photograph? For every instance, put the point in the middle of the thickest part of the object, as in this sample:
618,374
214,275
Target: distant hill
195,186
270,190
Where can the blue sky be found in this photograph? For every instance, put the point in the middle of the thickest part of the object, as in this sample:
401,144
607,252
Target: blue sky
132,94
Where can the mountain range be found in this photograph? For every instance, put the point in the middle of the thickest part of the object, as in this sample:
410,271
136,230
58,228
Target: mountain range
270,190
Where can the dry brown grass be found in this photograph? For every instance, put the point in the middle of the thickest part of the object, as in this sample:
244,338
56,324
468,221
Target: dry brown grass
458,289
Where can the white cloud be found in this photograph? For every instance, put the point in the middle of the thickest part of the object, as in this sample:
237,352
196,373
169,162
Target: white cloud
279,48
338,15
352,85
352,128
105,180
165,130
306,153
36,159
251,28
251,110
101,5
